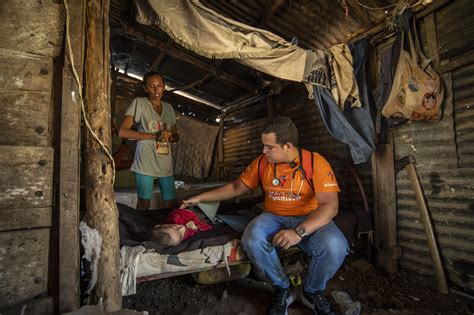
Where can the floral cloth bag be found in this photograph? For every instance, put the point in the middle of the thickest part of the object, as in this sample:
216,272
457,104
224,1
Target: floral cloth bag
417,92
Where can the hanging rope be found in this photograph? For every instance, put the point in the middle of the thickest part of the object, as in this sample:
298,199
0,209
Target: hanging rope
81,99
398,19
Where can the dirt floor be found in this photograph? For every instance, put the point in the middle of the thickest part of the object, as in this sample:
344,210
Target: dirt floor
377,292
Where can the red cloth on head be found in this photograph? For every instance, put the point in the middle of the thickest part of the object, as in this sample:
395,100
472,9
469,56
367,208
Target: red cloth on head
183,216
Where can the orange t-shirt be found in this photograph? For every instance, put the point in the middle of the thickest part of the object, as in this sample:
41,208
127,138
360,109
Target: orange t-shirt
281,200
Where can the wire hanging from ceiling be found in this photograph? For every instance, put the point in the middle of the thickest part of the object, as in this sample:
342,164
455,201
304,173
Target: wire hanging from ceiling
376,8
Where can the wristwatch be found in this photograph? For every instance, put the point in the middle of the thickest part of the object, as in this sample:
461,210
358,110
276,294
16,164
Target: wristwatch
301,231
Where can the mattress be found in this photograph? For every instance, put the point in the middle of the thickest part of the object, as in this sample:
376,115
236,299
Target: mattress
152,265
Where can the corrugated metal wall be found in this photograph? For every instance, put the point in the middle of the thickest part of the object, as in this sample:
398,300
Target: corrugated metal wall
463,85
443,152
242,144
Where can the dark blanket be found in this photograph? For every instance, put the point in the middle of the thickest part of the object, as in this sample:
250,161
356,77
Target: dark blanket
135,227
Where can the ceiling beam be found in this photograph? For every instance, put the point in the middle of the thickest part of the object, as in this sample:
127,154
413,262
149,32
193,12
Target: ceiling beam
161,56
269,10
176,99
193,84
360,14
420,11
129,85
178,53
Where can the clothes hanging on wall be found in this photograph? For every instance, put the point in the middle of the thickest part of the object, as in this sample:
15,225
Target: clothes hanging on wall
339,127
352,126
360,118
387,68
346,88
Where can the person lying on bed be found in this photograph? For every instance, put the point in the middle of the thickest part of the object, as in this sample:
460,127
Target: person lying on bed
180,225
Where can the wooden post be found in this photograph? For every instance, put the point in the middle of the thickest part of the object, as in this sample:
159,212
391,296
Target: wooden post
385,206
102,213
432,39
69,165
220,149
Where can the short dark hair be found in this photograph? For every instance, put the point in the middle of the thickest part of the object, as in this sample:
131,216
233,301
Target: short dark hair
150,74
160,237
284,129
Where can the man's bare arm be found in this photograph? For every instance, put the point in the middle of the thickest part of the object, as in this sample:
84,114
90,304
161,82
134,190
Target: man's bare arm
326,211
229,190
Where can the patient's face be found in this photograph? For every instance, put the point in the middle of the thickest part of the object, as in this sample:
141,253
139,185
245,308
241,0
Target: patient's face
175,231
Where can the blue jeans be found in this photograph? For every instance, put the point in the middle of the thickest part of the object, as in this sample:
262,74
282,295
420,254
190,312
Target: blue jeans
327,248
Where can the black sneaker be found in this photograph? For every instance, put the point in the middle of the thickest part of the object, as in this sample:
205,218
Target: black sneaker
318,303
283,299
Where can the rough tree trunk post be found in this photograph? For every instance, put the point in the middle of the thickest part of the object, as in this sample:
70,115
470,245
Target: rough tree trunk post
102,211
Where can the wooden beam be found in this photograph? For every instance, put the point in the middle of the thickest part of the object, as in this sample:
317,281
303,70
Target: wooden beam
69,161
220,149
385,206
193,84
167,97
161,56
277,5
457,62
360,14
102,212
180,54
269,10
196,106
432,39
381,24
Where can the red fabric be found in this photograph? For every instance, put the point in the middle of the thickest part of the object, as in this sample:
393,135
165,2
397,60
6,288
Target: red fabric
183,216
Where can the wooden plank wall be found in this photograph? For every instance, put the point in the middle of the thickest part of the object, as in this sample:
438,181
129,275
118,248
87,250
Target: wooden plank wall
444,153
31,37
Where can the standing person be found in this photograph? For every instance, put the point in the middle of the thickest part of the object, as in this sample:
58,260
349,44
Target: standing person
156,128
297,211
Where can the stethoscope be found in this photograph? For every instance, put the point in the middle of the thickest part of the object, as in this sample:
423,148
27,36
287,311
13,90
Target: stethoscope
276,181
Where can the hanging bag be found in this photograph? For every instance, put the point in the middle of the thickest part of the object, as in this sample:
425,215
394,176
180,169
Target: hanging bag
417,91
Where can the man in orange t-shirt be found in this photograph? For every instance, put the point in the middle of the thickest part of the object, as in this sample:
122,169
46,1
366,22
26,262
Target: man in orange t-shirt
295,214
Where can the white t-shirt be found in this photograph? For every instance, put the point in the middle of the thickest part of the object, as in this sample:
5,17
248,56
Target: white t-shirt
147,161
